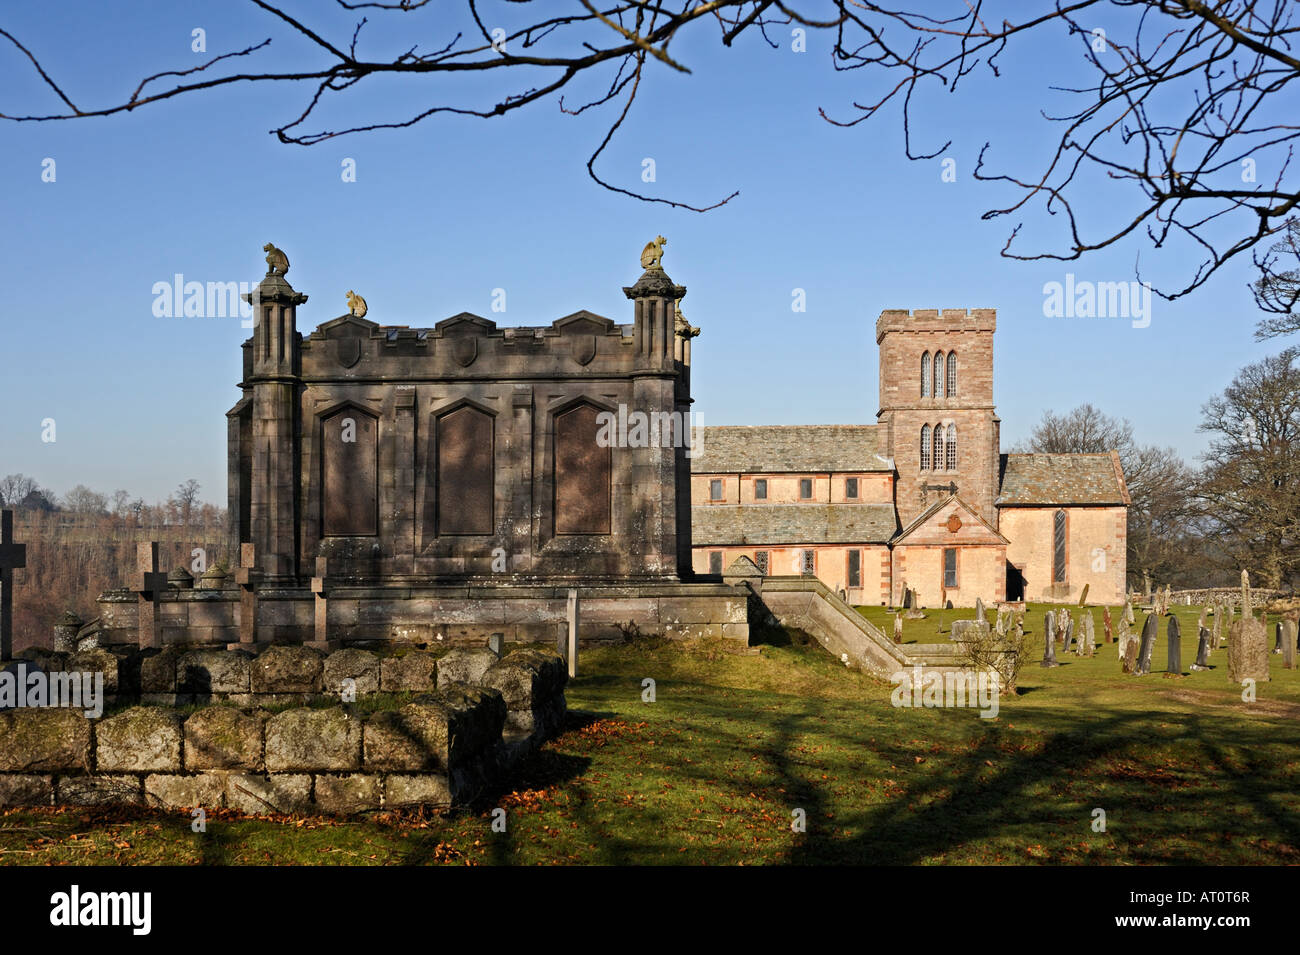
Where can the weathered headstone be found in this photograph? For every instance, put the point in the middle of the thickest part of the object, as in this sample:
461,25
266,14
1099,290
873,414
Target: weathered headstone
1128,614
1247,607
1174,634
1149,627
1277,637
1000,623
1083,595
1107,624
1049,624
1049,647
1088,643
898,628
150,583
908,600
1247,650
1288,644
12,557
980,612
1069,631
1202,650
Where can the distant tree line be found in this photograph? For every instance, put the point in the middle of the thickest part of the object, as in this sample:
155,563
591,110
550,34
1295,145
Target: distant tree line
183,507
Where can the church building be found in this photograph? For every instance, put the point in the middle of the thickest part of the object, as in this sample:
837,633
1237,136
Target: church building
923,500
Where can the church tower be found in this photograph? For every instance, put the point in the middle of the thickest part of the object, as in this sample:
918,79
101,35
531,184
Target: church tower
936,417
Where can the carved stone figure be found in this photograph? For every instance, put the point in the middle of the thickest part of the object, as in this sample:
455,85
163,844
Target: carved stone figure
356,304
653,253
276,261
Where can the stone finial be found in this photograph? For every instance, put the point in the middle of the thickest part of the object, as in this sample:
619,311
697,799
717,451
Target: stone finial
653,253
356,304
181,579
213,579
681,326
277,263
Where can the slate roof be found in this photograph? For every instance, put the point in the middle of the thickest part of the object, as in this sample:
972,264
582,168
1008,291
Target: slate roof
1060,479
776,524
769,449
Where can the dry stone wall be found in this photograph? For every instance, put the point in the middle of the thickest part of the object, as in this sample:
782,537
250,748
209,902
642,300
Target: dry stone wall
470,721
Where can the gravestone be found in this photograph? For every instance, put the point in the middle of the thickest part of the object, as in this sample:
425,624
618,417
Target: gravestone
1088,645
573,634
1069,631
1277,637
1149,627
1247,651
247,576
1202,650
1128,614
898,628
1288,643
497,644
1107,625
12,557
908,602
1083,595
1247,607
1020,628
1174,634
150,583
1049,625
980,612
1049,648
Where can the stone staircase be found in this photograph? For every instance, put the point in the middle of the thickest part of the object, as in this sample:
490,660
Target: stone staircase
809,605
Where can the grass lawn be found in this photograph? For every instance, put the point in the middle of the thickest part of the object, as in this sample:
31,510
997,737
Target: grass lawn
711,771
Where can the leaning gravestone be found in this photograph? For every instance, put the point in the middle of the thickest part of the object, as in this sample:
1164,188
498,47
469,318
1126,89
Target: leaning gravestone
1247,651
1202,651
1149,627
1083,596
1174,633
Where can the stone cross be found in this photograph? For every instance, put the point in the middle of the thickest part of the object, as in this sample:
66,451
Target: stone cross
12,557
247,576
150,583
573,634
1174,633
320,631
1202,650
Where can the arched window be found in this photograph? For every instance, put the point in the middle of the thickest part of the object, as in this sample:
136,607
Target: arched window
952,373
583,472
1058,547
925,375
951,448
925,447
938,447
938,374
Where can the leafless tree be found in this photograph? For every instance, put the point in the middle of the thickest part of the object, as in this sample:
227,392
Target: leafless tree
14,488
1251,486
1185,109
184,499
1278,288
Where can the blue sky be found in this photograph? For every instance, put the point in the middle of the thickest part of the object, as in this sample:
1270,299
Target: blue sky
445,212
